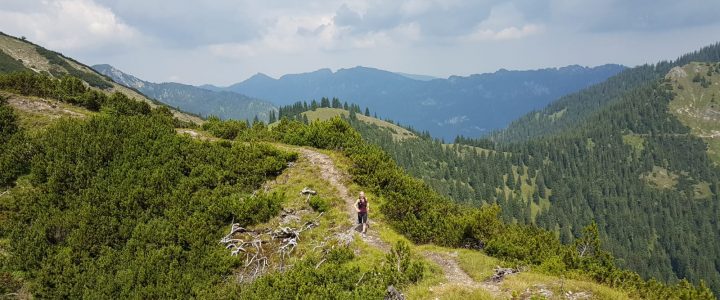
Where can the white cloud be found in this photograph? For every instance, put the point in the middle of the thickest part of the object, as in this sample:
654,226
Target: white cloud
507,33
454,120
503,24
231,50
305,34
79,25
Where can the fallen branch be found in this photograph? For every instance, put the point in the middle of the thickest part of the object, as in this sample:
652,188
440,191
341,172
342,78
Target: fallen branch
359,280
241,240
320,263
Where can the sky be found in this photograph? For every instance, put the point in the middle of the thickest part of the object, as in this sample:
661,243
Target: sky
226,41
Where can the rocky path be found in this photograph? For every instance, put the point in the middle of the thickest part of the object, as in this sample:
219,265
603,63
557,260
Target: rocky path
336,178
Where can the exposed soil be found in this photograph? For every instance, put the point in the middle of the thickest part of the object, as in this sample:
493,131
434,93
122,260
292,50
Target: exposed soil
50,108
335,177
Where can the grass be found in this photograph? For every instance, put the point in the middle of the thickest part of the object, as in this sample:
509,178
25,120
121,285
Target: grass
661,178
325,113
438,289
557,115
464,149
637,143
702,190
522,283
697,105
36,114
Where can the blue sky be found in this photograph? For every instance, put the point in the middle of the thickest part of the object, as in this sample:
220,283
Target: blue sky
225,41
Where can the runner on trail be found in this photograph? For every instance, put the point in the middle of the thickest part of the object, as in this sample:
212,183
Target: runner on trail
362,206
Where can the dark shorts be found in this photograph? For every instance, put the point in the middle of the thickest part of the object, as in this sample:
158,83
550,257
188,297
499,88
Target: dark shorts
362,218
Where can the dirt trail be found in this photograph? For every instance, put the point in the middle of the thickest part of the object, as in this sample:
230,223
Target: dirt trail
335,177
455,275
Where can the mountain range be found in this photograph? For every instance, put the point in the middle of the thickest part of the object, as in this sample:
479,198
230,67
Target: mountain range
459,105
204,102
103,194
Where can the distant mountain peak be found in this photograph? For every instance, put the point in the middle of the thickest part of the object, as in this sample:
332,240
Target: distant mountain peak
206,100
120,76
260,75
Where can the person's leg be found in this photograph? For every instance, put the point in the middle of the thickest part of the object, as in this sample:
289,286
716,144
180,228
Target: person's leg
365,220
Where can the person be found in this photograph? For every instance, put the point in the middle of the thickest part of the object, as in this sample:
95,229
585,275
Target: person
362,206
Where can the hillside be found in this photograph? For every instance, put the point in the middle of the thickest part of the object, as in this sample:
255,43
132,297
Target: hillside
116,203
623,165
697,102
224,104
38,59
469,106
644,167
572,110
326,113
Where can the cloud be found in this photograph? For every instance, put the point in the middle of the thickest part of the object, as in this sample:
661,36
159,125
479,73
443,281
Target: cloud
454,120
508,33
189,24
643,15
228,40
78,25
505,22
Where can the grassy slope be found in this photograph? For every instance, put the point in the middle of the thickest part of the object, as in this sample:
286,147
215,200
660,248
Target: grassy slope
36,114
696,106
325,113
476,264
434,286
27,52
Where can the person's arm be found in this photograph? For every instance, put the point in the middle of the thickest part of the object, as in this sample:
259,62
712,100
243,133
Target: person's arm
357,209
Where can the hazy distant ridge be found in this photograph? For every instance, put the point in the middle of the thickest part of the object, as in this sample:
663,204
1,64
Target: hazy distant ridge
202,101
467,105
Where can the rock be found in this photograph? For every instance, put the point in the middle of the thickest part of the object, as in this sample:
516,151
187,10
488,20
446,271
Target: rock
676,73
500,273
393,294
307,191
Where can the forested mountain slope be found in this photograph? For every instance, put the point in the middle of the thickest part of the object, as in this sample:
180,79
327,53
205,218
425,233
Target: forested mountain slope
223,104
644,167
103,196
20,55
572,110
111,202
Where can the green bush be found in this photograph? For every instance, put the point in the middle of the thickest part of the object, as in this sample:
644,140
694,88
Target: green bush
335,276
319,204
312,278
230,129
123,207
260,208
400,268
16,148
